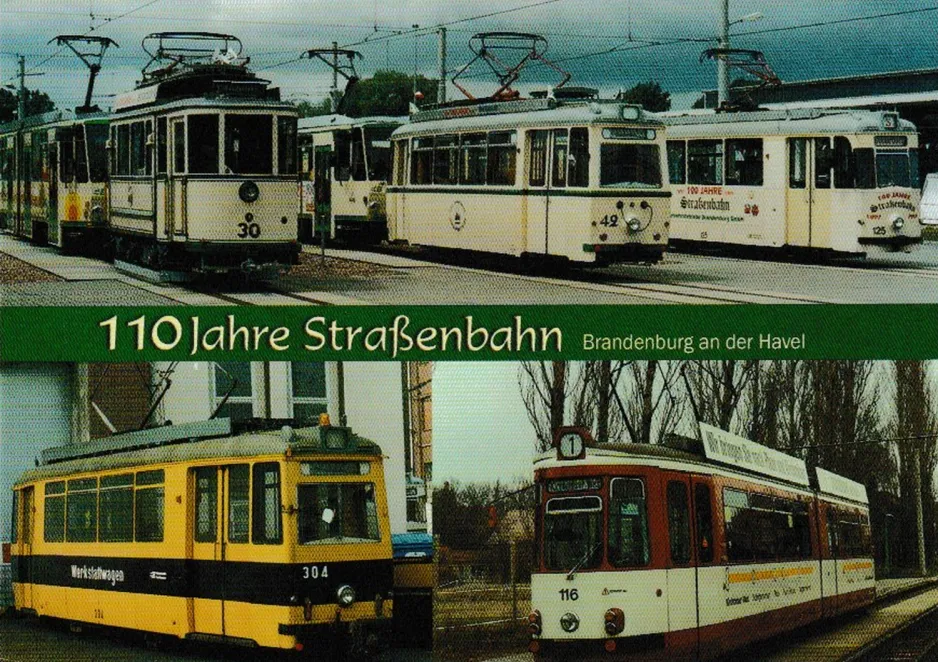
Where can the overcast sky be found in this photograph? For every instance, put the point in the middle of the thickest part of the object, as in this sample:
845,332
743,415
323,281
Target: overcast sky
275,32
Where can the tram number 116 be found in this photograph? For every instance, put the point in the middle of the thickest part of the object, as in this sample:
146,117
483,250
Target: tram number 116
568,594
315,572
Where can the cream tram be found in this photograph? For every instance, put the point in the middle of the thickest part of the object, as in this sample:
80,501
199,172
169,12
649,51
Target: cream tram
826,181
53,178
567,177
345,164
667,553
261,537
203,162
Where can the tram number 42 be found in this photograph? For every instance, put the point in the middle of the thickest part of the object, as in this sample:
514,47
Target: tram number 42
568,594
252,230
315,572
610,221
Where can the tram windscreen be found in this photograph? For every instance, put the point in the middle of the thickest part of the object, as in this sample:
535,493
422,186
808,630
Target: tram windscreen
573,533
378,145
337,513
623,165
249,144
895,169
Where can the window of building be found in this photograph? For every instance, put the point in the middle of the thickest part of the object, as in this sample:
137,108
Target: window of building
148,506
239,504
203,144
233,379
116,502
677,161
249,144
744,162
678,523
705,162
308,390
266,508
54,512
206,504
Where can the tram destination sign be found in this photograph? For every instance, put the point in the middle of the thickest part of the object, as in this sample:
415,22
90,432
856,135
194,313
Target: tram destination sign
831,483
728,448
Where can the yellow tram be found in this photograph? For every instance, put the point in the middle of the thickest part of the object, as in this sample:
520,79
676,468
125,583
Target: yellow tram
267,537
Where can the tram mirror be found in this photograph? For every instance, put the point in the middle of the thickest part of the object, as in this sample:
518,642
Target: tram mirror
108,144
328,514
151,139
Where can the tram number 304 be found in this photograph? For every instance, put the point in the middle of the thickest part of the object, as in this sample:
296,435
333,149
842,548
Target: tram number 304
315,572
568,594
252,230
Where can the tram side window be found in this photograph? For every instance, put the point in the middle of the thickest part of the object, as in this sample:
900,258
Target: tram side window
865,168
473,158
678,523
206,504
537,175
705,162
400,162
179,148
704,516
677,161
357,163
148,506
738,533
82,510
502,155
39,143
308,390
823,162
421,161
744,162
15,521
67,156
161,146
203,144
116,501
558,178
123,149
628,523
249,144
797,162
378,151
266,508
343,155
286,145
96,140
81,156
445,159
54,512
138,149
844,174
579,157
239,505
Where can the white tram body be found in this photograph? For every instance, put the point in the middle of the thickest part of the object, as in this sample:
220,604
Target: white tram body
654,553
830,181
345,165
577,179
203,172
54,177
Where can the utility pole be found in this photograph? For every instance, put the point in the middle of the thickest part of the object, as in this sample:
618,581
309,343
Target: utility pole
919,515
413,94
334,94
21,99
723,74
441,90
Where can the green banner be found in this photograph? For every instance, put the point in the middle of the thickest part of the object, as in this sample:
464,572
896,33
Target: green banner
478,333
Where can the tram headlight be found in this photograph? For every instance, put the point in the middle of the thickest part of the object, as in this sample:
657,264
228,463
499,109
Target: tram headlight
534,623
614,621
634,224
345,596
569,622
248,192
898,223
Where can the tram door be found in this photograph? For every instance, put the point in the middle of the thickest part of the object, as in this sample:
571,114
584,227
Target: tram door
808,195
176,181
28,531
681,566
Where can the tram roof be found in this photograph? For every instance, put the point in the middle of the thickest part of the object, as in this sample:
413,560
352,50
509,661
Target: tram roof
781,122
215,103
547,113
189,442
346,122
53,118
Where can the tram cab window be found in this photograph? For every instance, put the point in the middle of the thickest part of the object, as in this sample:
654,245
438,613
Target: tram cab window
81,522
705,162
579,160
678,523
502,156
239,505
573,532
473,155
286,145
266,518
96,141
357,156
892,169
148,506
337,513
677,161
744,162
628,523
116,503
421,163
206,504
797,163
445,159
54,512
378,151
823,162
537,172
624,165
865,168
249,144
704,519
203,144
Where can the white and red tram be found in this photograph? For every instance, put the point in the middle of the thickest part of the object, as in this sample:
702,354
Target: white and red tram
655,552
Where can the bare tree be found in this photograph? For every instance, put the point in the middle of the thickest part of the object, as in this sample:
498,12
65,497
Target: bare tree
716,389
549,389
650,404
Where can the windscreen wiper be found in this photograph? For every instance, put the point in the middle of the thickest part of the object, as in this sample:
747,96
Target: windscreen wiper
582,561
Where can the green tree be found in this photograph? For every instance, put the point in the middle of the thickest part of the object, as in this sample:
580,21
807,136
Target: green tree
307,109
36,103
388,93
648,95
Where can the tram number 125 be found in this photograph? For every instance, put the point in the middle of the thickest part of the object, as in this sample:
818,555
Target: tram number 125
568,594
315,572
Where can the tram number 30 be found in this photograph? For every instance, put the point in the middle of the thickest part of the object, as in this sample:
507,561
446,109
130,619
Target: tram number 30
568,594
315,572
252,230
